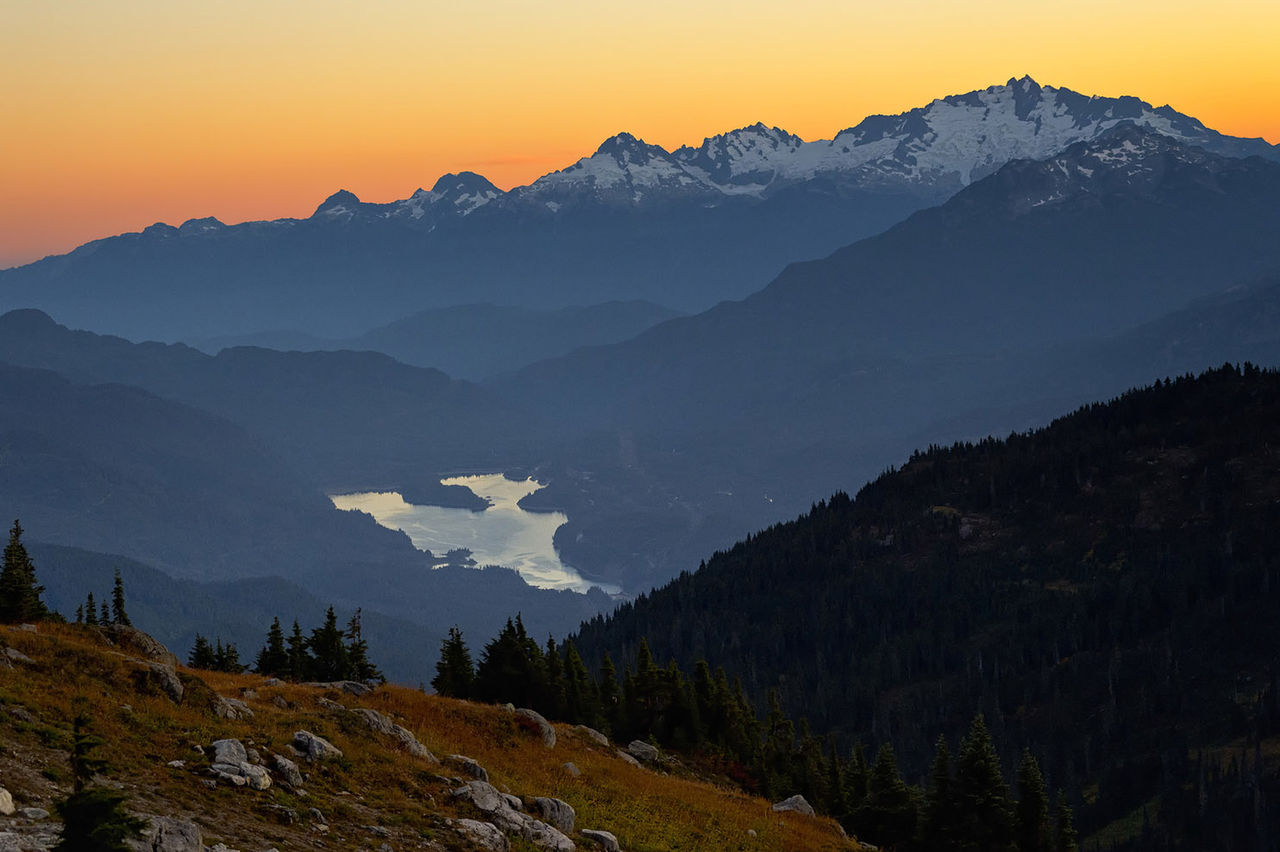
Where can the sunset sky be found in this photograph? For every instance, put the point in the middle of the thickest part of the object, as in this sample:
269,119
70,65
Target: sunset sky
118,115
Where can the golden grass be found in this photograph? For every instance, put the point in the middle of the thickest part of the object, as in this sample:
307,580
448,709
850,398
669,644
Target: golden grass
374,784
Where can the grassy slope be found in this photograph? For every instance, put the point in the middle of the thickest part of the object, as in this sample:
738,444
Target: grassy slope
372,786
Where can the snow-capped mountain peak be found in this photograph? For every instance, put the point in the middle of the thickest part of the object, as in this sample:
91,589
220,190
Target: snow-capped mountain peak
745,160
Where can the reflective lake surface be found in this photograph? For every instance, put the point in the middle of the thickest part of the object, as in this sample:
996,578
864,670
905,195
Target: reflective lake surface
504,534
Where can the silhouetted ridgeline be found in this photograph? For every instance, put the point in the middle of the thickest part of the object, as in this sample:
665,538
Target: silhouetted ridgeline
1101,589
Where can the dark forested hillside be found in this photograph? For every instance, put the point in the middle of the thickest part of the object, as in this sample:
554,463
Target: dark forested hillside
1101,589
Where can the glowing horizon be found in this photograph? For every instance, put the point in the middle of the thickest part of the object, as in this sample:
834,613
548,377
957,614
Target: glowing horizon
129,114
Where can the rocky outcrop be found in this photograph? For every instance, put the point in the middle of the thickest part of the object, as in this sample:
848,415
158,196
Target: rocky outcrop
162,677
626,758
133,641
287,770
165,834
231,709
604,839
643,751
382,724
532,720
13,655
314,747
468,766
498,808
556,812
485,835
229,751
593,735
351,687
795,804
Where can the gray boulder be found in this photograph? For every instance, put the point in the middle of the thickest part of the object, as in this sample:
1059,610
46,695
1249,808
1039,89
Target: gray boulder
604,839
572,769
33,813
485,835
643,751
546,837
382,724
468,766
493,804
795,804
287,770
554,811
165,834
593,735
626,758
315,747
6,802
137,642
533,720
161,676
229,751
16,656
351,687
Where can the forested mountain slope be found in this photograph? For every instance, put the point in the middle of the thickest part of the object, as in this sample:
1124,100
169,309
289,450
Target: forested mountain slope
1101,588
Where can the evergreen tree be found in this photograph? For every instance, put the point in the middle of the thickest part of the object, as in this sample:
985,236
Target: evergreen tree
226,658
553,699
90,610
610,694
273,659
118,615
455,673
1064,829
93,818
511,667
104,615
982,795
1031,815
202,655
888,814
939,826
299,659
80,614
582,706
362,669
328,653
19,595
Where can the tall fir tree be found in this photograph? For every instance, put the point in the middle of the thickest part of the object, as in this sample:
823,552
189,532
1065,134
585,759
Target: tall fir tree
202,655
19,595
299,659
1064,827
361,667
328,652
93,818
455,672
939,823
1031,815
118,614
273,659
888,813
982,795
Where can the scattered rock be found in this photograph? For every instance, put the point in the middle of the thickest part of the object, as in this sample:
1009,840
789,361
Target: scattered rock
593,735
557,812
485,835
533,720
280,701
468,766
626,758
382,724
546,837
572,769
33,813
273,681
796,804
317,816
229,751
29,628
14,655
22,714
165,834
287,770
606,840
331,706
135,641
350,687
248,693
231,709
643,751
160,676
315,747
514,802
177,764
751,832
6,802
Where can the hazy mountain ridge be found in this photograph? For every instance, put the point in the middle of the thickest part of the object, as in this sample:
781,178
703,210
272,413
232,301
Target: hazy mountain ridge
632,221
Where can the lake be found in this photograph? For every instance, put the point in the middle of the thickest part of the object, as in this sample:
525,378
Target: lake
503,534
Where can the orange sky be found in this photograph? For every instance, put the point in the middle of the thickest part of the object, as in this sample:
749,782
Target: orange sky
117,115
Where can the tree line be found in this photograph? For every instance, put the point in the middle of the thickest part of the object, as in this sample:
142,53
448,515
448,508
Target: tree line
966,807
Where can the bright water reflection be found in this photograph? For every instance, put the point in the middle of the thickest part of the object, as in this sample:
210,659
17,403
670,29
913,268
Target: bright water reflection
504,534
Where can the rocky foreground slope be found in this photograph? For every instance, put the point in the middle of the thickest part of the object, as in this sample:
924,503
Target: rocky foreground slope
240,762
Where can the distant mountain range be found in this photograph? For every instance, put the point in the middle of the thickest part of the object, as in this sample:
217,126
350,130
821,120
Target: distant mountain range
684,228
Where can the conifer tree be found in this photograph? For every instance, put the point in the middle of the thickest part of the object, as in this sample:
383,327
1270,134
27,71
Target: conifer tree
1064,829
226,658
887,816
299,659
93,818
90,610
104,616
582,705
273,659
202,655
455,673
362,668
118,615
982,796
610,694
19,595
328,653
1031,815
939,824
80,614
553,699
